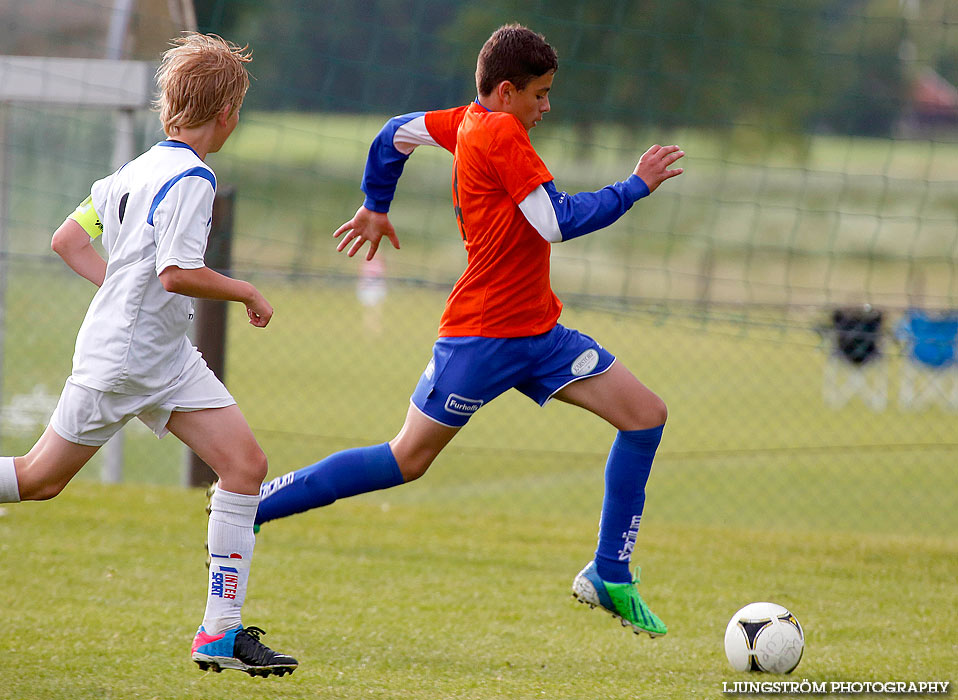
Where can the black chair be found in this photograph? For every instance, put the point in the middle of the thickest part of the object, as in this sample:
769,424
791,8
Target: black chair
855,365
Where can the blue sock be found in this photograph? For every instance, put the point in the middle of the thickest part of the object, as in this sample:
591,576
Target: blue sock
343,474
626,473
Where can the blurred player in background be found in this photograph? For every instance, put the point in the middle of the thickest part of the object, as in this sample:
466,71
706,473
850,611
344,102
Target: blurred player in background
500,328
133,357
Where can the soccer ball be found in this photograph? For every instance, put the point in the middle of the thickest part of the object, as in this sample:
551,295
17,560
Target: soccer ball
764,637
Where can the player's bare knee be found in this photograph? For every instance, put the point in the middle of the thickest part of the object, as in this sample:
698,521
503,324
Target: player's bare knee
411,472
257,465
659,412
413,458
248,467
415,466
651,412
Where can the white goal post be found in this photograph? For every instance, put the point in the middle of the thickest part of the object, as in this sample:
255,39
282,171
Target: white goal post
122,87
76,82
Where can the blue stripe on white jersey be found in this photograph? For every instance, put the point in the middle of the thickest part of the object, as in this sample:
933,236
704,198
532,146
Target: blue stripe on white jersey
198,171
388,155
178,144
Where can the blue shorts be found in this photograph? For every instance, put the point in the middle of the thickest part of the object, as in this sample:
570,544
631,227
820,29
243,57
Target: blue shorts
465,373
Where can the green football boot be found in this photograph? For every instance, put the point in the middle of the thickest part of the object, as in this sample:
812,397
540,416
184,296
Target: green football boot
621,600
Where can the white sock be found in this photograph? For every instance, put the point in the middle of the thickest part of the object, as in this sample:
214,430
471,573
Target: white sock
230,538
9,490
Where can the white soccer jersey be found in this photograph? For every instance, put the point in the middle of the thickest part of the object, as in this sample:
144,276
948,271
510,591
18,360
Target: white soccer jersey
155,212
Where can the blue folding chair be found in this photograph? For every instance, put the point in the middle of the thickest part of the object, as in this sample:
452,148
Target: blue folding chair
930,371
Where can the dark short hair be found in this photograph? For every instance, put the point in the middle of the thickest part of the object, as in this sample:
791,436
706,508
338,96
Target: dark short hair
516,54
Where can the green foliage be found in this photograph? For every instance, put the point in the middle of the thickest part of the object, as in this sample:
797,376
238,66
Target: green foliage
840,65
343,55
667,63
866,86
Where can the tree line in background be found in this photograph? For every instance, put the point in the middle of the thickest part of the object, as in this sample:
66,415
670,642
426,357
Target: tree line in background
845,66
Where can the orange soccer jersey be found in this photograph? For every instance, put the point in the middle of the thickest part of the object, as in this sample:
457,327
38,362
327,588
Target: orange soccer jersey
505,290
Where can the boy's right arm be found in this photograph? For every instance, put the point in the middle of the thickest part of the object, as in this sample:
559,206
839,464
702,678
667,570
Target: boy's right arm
366,225
73,241
387,157
396,141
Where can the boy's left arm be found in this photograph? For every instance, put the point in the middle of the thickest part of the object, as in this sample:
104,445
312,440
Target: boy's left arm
73,242
181,224
560,216
204,283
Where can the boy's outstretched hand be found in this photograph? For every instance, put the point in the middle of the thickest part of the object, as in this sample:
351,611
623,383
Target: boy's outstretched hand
654,164
366,225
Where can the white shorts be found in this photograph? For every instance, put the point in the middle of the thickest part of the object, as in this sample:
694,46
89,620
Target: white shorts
90,417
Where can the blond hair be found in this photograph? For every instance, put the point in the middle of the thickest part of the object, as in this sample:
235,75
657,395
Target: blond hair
199,76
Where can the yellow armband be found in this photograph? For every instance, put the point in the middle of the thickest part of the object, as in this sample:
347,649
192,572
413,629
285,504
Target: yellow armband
87,217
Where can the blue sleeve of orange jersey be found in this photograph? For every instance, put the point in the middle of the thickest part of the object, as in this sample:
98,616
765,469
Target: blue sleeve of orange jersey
585,212
384,165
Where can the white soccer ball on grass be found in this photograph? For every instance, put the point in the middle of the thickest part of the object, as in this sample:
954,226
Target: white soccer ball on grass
764,637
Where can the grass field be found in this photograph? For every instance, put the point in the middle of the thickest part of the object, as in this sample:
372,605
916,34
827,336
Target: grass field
445,598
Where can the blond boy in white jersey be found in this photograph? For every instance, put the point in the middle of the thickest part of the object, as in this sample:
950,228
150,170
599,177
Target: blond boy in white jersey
133,358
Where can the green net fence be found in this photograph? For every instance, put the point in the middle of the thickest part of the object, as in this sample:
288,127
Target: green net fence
767,295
